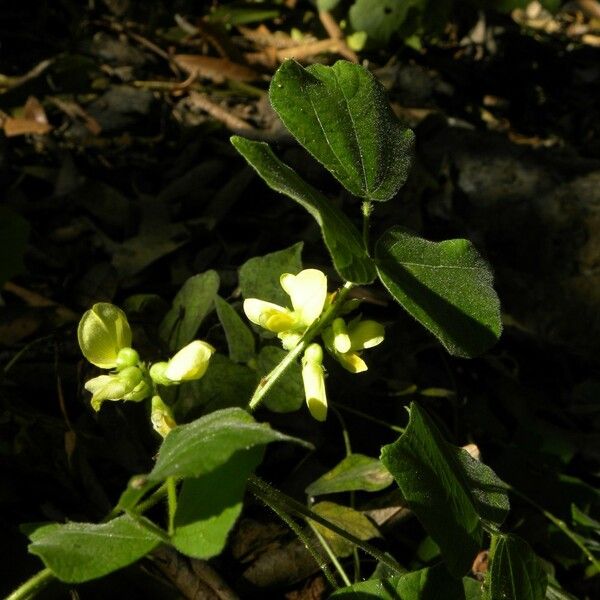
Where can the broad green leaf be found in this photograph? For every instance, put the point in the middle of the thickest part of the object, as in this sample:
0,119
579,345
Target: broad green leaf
515,572
77,552
432,583
136,489
349,520
342,116
209,506
353,473
190,306
446,286
203,445
381,19
239,336
287,395
450,492
14,231
259,276
341,237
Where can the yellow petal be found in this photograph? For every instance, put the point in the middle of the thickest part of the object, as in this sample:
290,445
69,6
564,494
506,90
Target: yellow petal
351,362
308,291
314,382
103,331
271,316
366,334
341,339
190,363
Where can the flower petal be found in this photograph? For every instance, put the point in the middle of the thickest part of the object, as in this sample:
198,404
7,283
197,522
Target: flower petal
190,362
351,362
271,316
102,332
308,291
314,382
366,334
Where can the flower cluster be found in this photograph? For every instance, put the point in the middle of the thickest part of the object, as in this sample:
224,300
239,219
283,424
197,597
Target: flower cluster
104,337
344,342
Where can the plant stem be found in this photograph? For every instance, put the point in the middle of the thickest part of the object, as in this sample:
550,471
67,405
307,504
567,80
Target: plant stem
267,382
289,521
172,502
153,499
367,209
561,525
32,586
270,495
332,557
368,417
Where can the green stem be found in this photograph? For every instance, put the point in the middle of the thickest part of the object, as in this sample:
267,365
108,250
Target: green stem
172,502
561,525
367,417
153,499
269,381
269,495
332,557
32,586
367,209
289,521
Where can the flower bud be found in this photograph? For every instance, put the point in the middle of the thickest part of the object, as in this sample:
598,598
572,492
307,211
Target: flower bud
128,384
190,362
103,331
341,339
314,382
157,373
161,417
127,357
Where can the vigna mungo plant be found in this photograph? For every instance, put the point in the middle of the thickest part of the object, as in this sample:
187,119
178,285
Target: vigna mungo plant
341,116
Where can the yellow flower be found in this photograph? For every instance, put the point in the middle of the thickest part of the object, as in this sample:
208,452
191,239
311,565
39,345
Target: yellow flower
308,295
314,382
128,384
190,363
346,343
102,333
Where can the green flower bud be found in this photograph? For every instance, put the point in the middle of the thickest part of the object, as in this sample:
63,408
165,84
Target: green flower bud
314,382
161,417
127,357
103,331
157,373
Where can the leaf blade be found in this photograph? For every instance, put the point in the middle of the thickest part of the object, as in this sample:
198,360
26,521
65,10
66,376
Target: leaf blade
341,237
446,286
450,492
341,115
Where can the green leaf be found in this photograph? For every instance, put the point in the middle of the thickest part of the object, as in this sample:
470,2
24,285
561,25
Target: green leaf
450,492
239,336
432,583
190,306
259,276
14,231
446,286
381,19
349,520
224,385
287,395
342,116
203,445
77,552
515,572
353,473
210,505
341,237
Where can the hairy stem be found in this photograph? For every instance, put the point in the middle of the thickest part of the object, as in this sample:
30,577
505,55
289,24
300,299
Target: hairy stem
271,495
32,586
